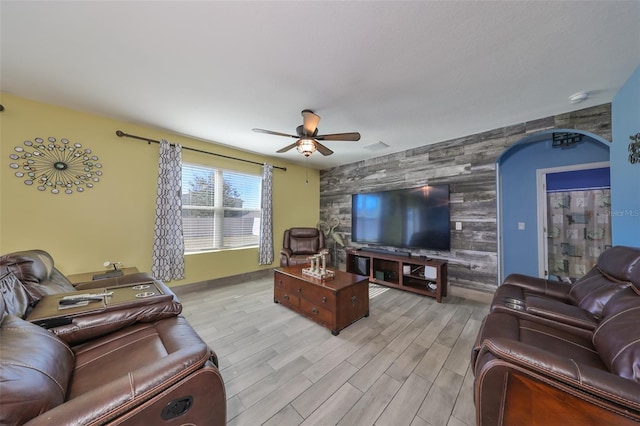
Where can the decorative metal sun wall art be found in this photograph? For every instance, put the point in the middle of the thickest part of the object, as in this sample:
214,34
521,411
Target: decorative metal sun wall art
56,166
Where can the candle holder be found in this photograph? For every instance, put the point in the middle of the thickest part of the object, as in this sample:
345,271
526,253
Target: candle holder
318,268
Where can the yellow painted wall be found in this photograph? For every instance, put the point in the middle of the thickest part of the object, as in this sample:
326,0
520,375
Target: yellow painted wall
114,220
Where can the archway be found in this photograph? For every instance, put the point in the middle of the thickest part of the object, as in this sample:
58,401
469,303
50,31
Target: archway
516,222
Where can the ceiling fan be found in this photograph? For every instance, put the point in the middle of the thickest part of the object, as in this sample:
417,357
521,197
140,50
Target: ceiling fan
308,137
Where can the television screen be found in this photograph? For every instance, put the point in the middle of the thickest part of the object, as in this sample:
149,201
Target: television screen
407,218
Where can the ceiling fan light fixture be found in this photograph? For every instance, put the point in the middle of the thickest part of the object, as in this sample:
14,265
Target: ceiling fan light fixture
308,139
306,147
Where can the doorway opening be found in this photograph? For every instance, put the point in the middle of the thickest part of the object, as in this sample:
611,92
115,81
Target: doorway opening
574,205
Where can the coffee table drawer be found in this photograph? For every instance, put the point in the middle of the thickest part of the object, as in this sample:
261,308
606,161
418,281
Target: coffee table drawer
316,313
285,297
319,296
287,283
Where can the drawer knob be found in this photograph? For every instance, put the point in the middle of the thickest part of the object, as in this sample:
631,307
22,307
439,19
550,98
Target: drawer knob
299,290
353,300
286,297
324,299
315,311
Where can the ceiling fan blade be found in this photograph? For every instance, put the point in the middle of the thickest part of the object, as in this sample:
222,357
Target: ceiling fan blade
269,132
354,136
309,122
323,149
287,148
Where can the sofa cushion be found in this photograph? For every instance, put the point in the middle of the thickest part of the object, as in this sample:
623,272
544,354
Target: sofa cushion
304,245
15,297
594,290
617,338
35,367
621,263
3,312
132,366
616,269
35,269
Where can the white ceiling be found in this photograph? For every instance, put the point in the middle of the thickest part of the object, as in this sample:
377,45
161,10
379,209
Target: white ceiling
405,73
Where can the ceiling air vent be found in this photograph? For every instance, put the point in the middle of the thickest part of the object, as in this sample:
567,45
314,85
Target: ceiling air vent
376,146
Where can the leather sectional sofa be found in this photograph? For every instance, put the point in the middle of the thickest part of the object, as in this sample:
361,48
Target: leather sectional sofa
554,353
122,360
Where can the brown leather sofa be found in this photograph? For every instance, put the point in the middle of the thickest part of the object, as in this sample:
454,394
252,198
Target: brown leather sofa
575,307
299,244
37,269
27,277
132,363
532,368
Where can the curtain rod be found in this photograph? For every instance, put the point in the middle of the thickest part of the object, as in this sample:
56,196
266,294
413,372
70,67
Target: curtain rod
121,134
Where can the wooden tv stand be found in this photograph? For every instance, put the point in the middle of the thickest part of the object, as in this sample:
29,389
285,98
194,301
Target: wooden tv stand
401,272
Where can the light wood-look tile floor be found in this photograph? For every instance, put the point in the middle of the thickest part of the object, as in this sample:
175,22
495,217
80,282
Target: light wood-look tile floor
406,364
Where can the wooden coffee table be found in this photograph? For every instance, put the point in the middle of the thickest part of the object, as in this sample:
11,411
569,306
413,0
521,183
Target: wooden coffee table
333,303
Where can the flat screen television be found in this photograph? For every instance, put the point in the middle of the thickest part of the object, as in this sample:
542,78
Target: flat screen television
406,218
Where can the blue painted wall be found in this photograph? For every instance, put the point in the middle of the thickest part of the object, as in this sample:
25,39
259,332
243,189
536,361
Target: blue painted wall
519,200
625,177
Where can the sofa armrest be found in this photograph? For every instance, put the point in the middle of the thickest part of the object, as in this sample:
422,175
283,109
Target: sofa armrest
86,327
286,252
529,359
561,312
285,255
543,286
80,325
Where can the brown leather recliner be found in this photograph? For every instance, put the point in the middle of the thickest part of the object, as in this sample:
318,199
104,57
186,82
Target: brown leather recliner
299,244
147,373
530,372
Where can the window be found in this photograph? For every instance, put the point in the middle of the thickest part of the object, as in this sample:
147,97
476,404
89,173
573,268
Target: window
220,209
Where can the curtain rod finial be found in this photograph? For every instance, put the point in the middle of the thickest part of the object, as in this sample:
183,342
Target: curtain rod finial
119,133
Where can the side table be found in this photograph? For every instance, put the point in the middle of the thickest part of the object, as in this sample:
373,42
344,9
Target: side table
89,276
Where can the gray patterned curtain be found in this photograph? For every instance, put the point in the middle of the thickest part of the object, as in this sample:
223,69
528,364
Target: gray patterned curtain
265,249
168,243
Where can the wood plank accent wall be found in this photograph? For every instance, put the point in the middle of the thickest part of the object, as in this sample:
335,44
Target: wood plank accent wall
467,164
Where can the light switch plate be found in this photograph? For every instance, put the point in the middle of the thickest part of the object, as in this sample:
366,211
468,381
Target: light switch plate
520,226
458,226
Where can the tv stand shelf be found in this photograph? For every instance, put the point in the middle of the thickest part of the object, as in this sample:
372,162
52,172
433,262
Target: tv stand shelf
401,272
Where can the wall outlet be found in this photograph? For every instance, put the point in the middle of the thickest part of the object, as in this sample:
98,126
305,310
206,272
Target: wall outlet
458,226
520,226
